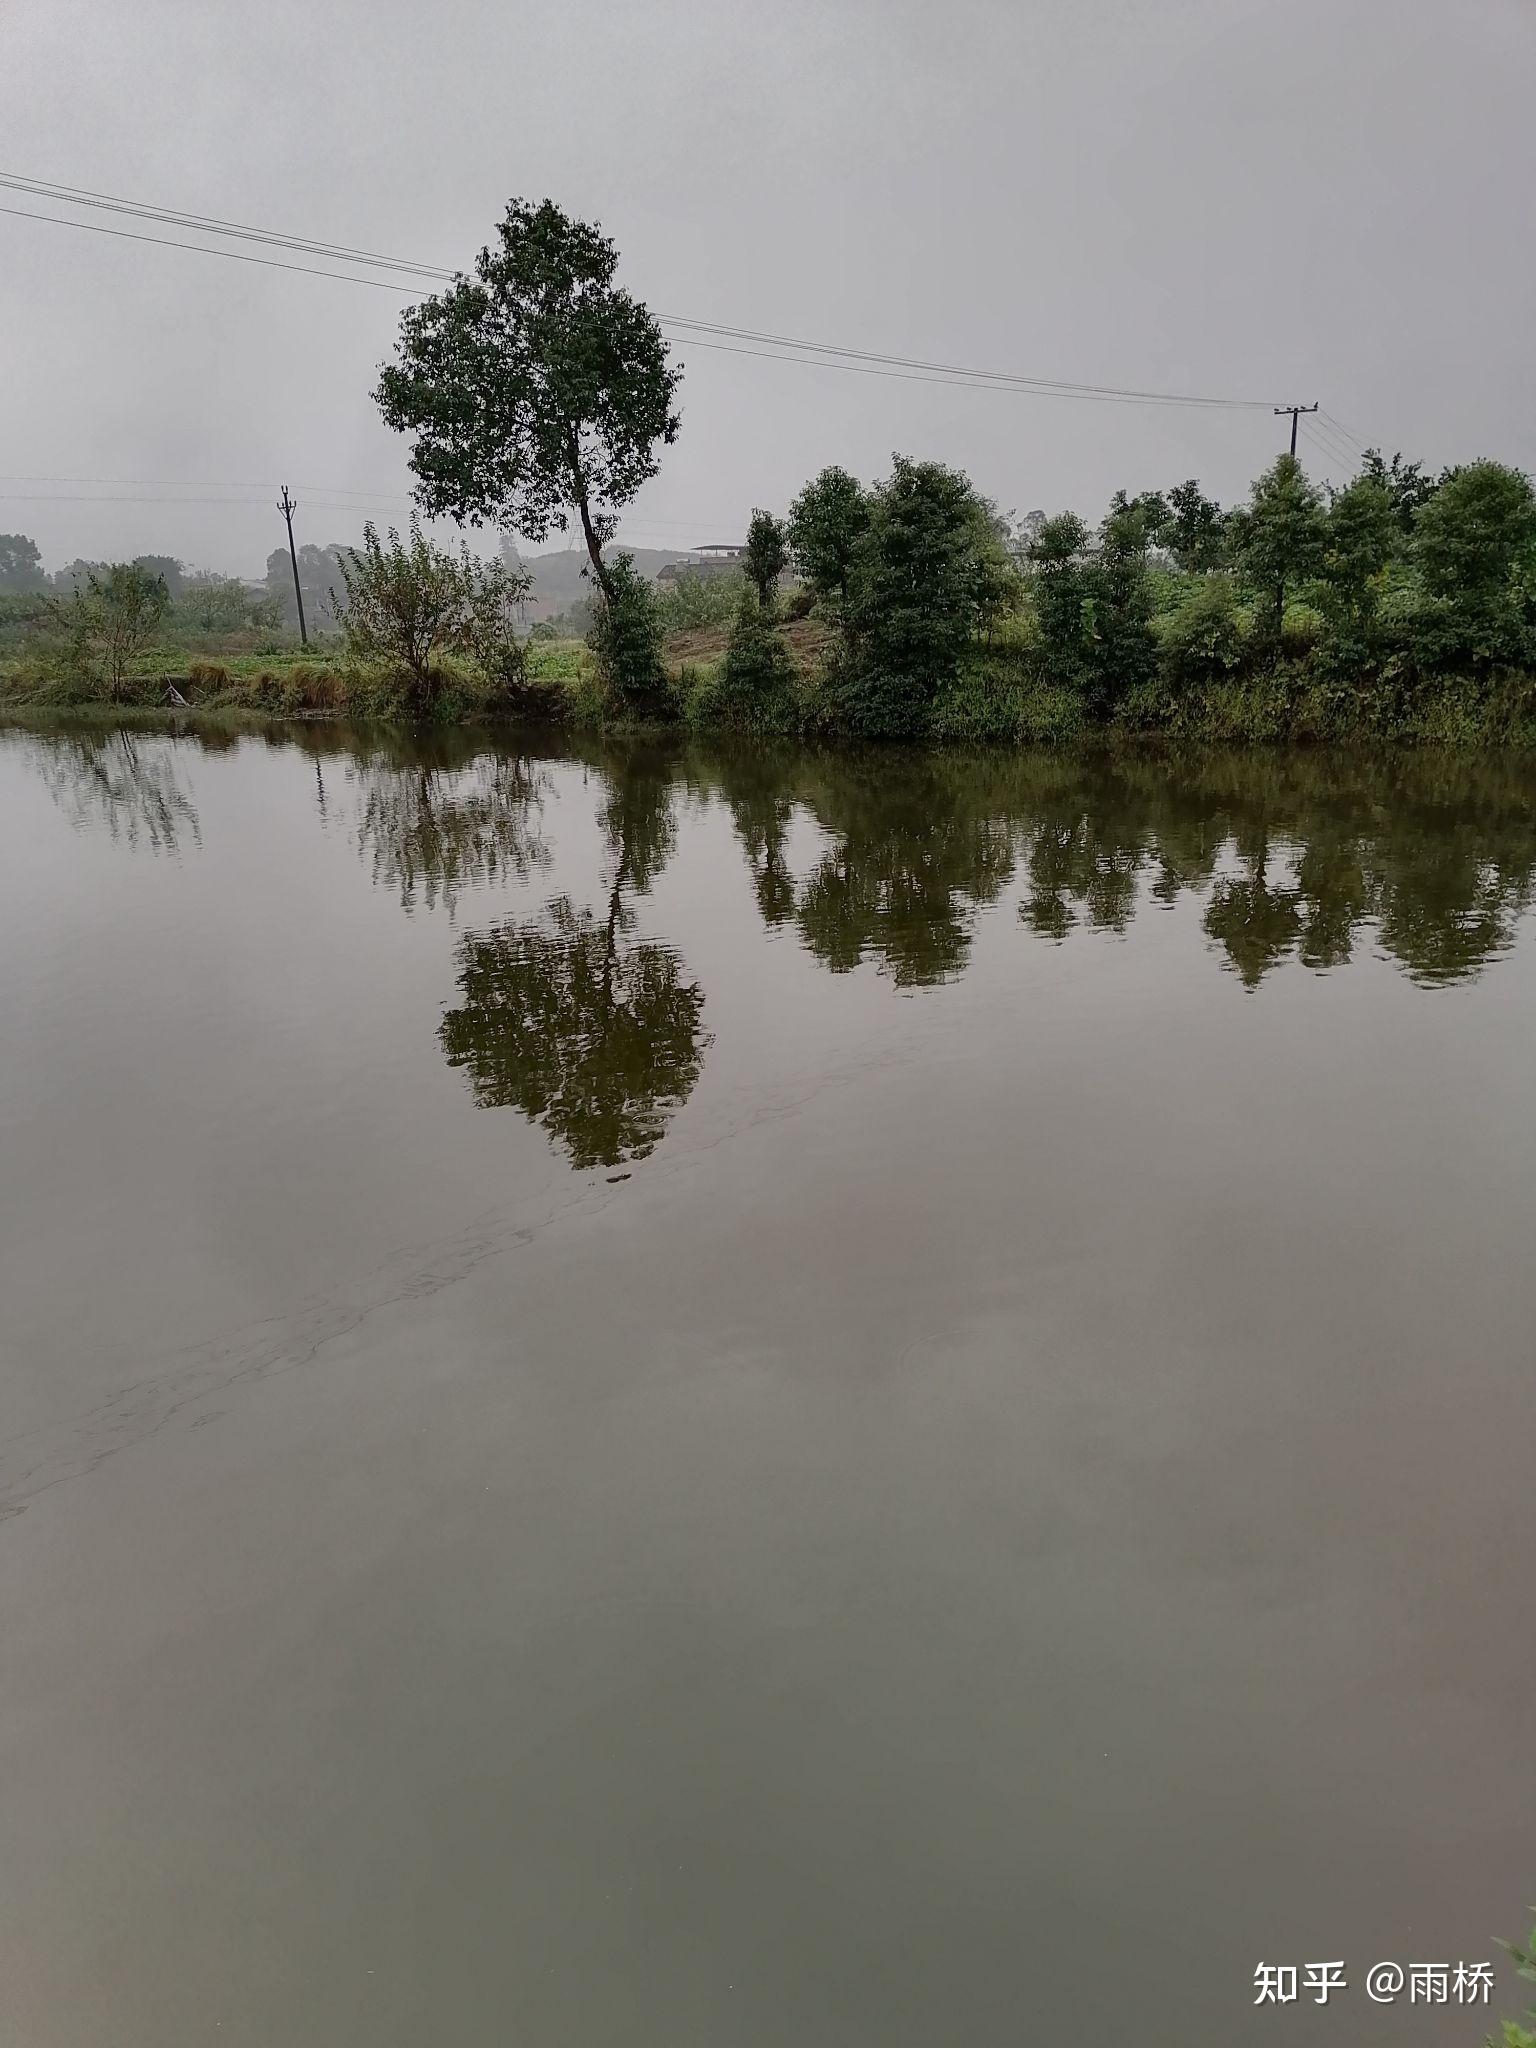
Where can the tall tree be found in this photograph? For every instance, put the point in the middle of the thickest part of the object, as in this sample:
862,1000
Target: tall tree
536,390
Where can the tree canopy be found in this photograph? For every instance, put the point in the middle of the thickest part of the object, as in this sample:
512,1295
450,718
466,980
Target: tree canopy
536,390
826,522
21,564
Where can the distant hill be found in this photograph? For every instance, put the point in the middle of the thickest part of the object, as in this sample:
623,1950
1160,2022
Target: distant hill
558,582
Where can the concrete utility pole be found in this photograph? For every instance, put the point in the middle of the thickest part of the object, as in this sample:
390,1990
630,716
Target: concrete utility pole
1295,412
288,506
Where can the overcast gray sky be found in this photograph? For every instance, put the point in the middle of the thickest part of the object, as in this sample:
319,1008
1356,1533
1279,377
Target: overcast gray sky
1320,198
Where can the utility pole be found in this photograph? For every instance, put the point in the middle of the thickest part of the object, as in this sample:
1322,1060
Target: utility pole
1295,412
288,506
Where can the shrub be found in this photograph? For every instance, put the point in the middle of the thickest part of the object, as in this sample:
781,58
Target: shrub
767,556
924,573
110,620
408,605
755,689
626,641
686,602
1205,639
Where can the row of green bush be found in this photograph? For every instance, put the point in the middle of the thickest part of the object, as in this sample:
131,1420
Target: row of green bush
1400,607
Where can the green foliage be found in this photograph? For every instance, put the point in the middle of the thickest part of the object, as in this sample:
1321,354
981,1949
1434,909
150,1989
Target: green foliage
826,523
1362,537
1281,534
1193,530
1124,651
109,622
626,641
688,601
1475,546
536,389
167,568
1406,484
767,555
409,603
924,573
21,565
756,688
220,606
1094,604
1205,638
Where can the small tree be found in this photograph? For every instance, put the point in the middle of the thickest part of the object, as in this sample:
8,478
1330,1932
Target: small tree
1475,542
1362,537
918,583
756,687
110,620
1281,533
536,390
826,523
494,595
626,640
1064,602
767,556
407,603
1476,531
1125,652
1194,531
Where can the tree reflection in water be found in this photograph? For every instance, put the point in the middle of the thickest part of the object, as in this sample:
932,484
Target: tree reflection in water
431,824
589,1031
1294,856
121,779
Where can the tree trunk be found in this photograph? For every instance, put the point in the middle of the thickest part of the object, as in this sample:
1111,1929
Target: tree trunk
599,568
579,488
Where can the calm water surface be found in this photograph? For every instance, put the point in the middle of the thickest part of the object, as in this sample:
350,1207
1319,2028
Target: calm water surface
668,1397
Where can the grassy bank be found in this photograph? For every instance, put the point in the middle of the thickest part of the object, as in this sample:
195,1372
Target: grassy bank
1001,691
997,696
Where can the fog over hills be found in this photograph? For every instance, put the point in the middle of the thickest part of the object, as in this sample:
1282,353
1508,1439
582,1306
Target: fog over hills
559,581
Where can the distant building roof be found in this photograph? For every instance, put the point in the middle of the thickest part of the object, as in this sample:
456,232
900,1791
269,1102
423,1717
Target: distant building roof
719,550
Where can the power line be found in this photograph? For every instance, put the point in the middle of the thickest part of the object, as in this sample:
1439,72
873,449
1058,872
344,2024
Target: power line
1045,386
1335,447
1330,454
77,195
1348,432
830,355
230,255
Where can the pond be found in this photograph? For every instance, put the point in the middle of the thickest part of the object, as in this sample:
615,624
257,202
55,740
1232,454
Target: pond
663,1395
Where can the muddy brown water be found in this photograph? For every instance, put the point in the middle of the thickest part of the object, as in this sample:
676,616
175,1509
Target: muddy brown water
660,1395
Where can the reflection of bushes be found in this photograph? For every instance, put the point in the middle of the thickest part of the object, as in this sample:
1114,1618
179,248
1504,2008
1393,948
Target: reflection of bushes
430,829
1294,855
119,779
